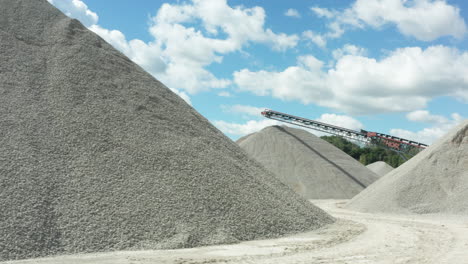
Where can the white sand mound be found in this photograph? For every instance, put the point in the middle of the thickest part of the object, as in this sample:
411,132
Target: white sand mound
380,168
434,181
97,155
311,166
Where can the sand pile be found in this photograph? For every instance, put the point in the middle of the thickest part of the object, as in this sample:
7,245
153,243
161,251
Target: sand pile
311,166
97,155
434,181
380,168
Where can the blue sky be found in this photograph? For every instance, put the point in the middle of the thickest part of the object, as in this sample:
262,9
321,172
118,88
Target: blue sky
391,66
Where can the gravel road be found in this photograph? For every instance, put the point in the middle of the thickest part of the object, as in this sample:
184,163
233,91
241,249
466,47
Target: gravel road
355,238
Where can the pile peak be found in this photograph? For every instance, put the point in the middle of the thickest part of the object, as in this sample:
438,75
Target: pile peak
434,181
311,166
380,168
97,155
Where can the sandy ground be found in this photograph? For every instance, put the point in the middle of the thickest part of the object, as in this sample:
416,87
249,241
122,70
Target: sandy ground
355,238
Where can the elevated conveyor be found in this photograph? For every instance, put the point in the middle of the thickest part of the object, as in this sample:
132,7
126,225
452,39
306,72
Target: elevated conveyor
397,144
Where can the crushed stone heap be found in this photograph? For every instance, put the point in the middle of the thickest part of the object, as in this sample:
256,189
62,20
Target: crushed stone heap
97,155
380,168
311,166
433,181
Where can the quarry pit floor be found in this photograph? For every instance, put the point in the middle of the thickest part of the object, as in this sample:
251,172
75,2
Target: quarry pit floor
354,238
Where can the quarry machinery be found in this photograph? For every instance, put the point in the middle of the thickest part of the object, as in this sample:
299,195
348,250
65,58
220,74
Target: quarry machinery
403,147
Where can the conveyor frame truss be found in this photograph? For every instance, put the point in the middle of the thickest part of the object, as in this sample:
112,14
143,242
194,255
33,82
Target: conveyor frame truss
402,146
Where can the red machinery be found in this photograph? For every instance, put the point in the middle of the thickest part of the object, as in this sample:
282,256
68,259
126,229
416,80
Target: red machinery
400,145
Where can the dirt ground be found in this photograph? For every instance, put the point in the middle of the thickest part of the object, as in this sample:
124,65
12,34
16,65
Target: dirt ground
355,238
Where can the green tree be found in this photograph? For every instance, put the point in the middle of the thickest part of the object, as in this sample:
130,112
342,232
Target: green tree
365,154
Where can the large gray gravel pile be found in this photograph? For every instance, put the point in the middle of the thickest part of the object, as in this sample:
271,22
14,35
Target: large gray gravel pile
97,155
434,181
311,166
380,168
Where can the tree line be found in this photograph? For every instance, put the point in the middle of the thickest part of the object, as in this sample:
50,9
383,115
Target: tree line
365,154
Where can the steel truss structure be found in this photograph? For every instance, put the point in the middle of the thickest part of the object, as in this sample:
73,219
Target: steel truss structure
397,144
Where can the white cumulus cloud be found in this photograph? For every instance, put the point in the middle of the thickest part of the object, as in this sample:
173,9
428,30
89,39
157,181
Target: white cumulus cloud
323,12
348,49
291,12
335,26
76,9
406,80
255,125
341,120
425,20
425,116
440,126
188,37
246,128
317,39
187,50
147,55
246,110
225,94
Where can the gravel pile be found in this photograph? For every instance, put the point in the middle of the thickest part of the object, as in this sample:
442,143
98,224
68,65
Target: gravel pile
97,155
311,166
434,181
380,168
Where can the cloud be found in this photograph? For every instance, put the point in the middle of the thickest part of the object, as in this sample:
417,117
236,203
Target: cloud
188,37
246,128
406,80
323,12
317,39
348,49
291,12
182,95
240,24
147,55
255,125
425,20
225,94
245,110
335,27
250,126
187,50
440,126
76,9
341,120
294,83
425,116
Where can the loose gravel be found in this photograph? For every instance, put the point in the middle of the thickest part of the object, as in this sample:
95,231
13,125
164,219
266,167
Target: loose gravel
434,181
97,155
380,168
311,166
